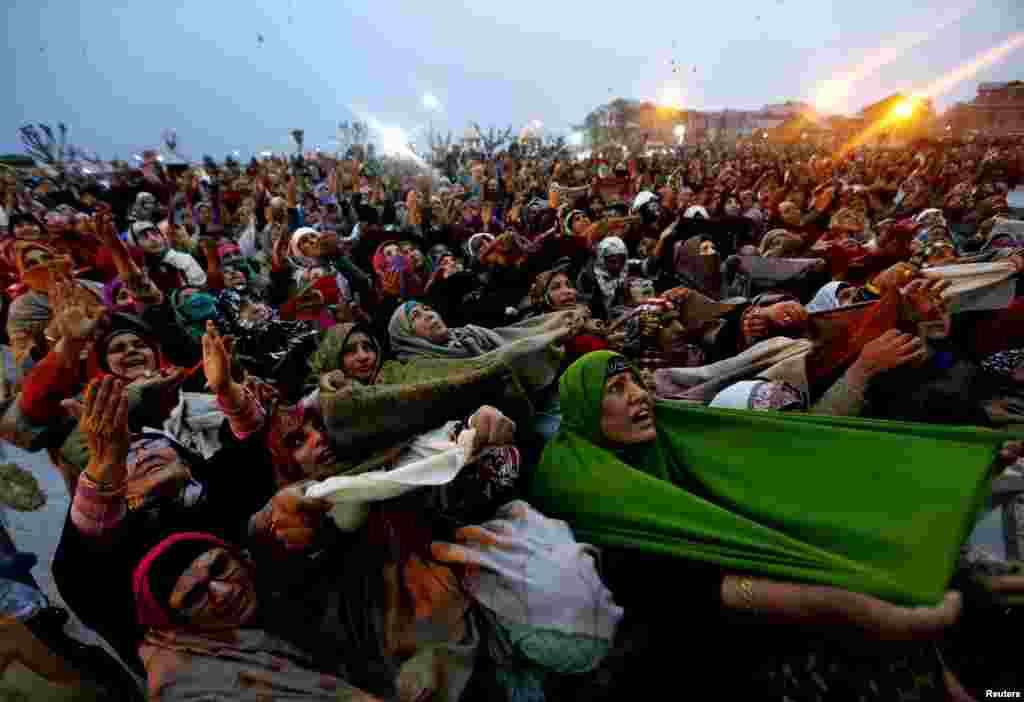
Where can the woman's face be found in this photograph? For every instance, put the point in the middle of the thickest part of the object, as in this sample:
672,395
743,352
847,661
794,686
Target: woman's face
28,231
123,296
254,312
309,445
646,247
627,411
561,292
580,224
216,592
152,242
640,290
130,357
310,246
790,214
847,295
414,254
37,257
615,263
427,324
707,248
359,357
597,207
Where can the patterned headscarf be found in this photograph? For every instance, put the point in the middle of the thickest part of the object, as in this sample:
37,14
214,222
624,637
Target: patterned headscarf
656,312
539,290
608,283
760,395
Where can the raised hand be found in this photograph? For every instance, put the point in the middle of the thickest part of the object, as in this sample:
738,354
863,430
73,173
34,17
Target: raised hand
75,320
492,428
281,249
925,297
104,420
755,324
295,519
891,350
216,360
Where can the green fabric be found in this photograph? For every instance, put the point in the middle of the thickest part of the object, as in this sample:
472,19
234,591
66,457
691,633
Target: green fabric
329,353
871,506
410,397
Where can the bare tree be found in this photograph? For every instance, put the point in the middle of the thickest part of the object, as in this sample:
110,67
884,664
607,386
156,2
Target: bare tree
43,146
492,140
352,134
440,145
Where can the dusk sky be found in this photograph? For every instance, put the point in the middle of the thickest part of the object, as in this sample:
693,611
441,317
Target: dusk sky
120,73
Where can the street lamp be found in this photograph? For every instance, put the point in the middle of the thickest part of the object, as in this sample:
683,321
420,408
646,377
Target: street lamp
905,109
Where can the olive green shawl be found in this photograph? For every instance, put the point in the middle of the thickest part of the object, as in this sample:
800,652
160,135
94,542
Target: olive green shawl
871,506
410,397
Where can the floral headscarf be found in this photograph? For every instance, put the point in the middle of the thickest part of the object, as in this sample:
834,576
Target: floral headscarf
539,295
608,283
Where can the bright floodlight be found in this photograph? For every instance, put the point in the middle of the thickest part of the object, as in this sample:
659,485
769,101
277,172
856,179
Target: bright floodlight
905,109
679,131
431,102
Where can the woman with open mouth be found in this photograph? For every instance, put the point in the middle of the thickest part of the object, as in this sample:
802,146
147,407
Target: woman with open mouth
175,475
706,506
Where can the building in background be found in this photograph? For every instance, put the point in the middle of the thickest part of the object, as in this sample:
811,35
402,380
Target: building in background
997,110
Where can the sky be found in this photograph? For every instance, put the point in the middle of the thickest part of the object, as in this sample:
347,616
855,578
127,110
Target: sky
120,73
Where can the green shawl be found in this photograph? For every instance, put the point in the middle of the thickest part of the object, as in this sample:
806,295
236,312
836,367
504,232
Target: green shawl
871,506
410,397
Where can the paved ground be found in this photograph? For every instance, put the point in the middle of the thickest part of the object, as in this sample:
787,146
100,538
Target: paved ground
39,532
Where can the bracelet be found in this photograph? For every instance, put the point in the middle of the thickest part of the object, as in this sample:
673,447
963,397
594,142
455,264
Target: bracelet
746,590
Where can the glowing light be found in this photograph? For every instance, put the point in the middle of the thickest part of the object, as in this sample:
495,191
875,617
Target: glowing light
576,139
905,109
160,158
679,131
86,171
536,124
266,154
832,95
947,83
431,102
136,157
671,96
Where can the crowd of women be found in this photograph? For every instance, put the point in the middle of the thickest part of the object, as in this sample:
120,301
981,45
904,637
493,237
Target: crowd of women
733,418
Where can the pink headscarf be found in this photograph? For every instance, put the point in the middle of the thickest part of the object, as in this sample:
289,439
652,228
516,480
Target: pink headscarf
148,608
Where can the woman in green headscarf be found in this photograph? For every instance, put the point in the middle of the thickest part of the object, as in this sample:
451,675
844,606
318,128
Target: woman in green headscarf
872,507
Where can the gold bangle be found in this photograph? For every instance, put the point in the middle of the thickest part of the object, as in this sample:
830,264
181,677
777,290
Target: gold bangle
746,589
